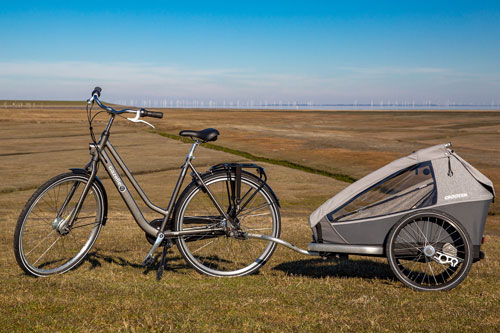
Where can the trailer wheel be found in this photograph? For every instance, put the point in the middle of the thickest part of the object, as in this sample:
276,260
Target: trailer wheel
429,250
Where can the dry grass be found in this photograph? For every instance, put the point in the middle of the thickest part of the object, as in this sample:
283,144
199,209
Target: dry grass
110,290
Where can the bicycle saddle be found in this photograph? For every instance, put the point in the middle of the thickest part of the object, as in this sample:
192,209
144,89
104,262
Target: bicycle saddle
208,134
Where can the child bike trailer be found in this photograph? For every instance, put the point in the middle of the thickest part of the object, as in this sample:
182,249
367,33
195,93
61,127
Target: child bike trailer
426,212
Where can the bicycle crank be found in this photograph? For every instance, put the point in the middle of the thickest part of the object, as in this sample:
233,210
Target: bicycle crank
149,257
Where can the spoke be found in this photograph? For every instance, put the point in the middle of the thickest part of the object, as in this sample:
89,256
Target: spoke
411,227
50,206
262,206
85,217
407,257
50,233
426,230
429,231
439,235
205,206
84,225
425,238
449,235
38,218
446,271
51,196
57,195
256,229
425,275
253,215
409,240
263,214
202,247
407,248
206,228
245,195
432,272
41,218
416,261
47,250
250,199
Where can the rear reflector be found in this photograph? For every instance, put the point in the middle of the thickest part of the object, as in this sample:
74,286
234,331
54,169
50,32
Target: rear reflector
482,241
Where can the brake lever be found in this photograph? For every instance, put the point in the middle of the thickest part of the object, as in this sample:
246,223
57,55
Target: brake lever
137,120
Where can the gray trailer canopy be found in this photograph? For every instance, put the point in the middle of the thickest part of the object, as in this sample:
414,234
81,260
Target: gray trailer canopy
468,184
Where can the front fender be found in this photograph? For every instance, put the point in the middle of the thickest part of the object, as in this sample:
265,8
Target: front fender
99,183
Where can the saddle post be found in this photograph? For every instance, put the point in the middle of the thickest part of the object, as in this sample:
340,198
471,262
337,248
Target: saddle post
160,236
190,155
173,198
199,137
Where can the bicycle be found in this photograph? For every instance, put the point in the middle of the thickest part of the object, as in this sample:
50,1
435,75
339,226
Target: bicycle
208,221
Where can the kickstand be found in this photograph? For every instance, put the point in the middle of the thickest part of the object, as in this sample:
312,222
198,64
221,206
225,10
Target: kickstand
159,272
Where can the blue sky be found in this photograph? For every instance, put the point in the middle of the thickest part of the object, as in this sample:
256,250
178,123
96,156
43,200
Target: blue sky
325,52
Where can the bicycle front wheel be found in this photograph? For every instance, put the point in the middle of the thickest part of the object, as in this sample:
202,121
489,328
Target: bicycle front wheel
46,242
220,254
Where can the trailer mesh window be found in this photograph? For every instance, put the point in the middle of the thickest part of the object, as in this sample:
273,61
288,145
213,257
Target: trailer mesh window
408,189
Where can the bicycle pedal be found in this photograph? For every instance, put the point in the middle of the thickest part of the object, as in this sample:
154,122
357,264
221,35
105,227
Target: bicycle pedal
149,261
149,257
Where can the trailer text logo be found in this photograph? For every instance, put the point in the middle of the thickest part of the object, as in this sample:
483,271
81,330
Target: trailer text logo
455,196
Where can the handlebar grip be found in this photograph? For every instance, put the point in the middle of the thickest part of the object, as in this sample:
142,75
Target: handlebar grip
96,91
153,114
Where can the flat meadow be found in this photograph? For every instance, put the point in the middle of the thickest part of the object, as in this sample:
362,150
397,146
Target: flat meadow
309,156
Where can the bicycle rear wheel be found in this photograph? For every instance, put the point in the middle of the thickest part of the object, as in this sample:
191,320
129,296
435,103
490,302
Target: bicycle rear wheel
219,254
45,242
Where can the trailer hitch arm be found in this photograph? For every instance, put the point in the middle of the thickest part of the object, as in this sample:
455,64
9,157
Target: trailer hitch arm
282,242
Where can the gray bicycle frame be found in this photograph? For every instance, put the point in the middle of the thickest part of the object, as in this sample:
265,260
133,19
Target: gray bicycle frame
99,154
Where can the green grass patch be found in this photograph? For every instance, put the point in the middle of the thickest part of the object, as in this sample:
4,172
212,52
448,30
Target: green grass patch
285,163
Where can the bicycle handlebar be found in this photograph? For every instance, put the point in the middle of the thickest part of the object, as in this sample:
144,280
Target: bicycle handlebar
96,93
153,114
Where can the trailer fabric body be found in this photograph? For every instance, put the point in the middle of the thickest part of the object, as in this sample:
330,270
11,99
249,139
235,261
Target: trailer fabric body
431,178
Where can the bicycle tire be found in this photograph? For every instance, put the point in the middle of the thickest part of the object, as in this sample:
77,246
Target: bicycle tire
222,255
42,232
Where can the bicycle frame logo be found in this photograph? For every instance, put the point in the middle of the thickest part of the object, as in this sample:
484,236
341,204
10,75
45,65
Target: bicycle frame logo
119,183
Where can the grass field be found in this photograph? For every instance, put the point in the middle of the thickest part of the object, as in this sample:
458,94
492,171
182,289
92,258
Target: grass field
305,155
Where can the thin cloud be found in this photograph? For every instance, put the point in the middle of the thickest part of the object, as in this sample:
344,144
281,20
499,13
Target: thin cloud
144,79
395,70
102,71
125,81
